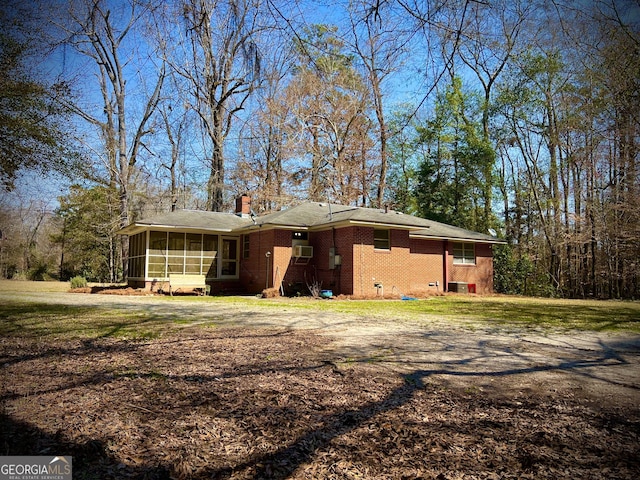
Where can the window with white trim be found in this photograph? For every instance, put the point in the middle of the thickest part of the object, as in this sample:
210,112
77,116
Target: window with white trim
229,257
464,253
246,247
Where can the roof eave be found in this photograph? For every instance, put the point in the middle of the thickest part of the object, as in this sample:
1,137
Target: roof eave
335,224
135,228
465,239
386,225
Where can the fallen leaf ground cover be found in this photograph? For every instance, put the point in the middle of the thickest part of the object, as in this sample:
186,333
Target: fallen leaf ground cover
182,389
271,403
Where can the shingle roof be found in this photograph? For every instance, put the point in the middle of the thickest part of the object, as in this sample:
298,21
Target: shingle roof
190,219
319,214
309,215
449,232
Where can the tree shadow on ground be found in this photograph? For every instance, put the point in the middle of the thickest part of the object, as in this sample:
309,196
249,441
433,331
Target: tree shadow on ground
285,461
168,369
90,458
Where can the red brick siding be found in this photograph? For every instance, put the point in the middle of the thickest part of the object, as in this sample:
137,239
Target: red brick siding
426,266
481,274
285,271
259,271
292,273
253,270
407,268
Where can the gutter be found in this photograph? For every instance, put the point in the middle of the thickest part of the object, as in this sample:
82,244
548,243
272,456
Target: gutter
140,227
470,240
341,223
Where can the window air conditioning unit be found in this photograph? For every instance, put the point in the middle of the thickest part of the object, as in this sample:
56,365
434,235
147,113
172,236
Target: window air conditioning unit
303,251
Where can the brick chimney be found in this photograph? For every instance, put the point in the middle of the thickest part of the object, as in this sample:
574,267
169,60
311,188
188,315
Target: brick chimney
243,206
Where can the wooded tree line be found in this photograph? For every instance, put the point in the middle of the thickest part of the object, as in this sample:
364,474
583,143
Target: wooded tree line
517,117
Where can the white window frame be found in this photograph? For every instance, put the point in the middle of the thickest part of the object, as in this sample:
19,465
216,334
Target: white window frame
216,258
246,246
464,253
221,258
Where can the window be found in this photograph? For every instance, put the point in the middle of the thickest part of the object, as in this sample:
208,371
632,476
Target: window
209,256
157,254
300,235
229,257
381,240
246,247
193,252
137,248
176,253
464,254
190,253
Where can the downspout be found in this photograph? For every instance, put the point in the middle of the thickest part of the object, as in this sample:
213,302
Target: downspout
147,240
335,274
445,266
268,256
361,261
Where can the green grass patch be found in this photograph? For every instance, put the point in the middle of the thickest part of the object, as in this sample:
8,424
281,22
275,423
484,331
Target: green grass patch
22,286
42,320
130,373
546,313
46,321
502,311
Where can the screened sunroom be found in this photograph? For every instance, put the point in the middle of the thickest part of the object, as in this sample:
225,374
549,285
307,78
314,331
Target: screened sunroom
157,251
154,255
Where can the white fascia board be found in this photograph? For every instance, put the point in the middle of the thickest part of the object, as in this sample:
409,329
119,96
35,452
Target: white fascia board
289,227
383,225
168,228
139,228
329,225
268,226
456,239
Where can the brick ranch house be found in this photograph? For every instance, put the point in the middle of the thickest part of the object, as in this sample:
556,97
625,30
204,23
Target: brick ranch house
349,250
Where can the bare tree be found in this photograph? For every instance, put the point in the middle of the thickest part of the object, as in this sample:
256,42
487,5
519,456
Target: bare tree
175,134
105,38
569,105
380,46
329,103
490,40
221,62
176,118
26,247
265,165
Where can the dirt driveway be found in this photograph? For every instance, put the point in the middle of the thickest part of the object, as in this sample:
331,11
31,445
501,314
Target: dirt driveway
601,366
